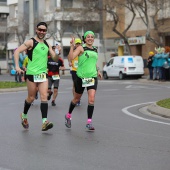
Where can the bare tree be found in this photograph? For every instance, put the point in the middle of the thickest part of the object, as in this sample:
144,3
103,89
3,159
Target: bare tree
149,11
116,9
22,32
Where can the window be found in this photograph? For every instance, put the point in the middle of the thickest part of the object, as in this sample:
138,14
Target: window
2,53
3,0
67,3
93,26
26,10
3,16
72,27
167,40
65,52
81,27
130,60
67,27
2,47
110,62
91,4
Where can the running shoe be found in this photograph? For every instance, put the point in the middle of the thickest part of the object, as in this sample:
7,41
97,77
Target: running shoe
53,103
67,122
78,104
49,95
89,127
36,96
24,122
46,125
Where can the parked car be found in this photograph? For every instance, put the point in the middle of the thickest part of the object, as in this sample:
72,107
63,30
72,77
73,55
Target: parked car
123,66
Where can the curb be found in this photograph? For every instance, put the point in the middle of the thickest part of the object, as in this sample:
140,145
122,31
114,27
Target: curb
13,89
157,110
155,82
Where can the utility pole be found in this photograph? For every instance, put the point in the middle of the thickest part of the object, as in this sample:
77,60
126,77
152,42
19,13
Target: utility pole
102,41
31,18
101,18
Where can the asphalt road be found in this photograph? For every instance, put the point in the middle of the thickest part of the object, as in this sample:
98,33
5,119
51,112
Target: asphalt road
125,138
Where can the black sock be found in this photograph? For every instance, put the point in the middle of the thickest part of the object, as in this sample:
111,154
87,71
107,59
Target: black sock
26,107
72,106
90,109
44,109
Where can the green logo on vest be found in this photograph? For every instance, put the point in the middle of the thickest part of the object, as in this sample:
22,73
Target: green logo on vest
87,55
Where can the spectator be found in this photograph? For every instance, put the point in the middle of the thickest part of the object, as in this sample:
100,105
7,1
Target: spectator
149,65
165,65
18,76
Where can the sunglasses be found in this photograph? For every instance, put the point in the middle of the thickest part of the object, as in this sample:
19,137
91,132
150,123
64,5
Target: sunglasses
42,30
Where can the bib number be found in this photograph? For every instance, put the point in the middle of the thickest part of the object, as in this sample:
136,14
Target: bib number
86,82
40,77
55,77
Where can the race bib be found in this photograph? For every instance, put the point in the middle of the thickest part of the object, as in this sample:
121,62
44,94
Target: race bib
55,77
40,77
75,64
86,82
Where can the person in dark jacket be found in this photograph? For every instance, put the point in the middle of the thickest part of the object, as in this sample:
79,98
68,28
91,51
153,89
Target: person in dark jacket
150,68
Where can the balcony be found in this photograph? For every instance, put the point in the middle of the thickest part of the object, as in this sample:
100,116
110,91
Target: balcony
76,16
4,9
11,2
48,17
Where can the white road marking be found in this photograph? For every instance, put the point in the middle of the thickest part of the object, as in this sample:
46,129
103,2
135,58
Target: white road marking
125,110
140,87
11,92
128,86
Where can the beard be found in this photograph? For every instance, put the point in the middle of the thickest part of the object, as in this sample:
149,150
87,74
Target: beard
40,36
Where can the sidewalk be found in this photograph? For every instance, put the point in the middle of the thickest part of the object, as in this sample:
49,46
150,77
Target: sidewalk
7,77
154,108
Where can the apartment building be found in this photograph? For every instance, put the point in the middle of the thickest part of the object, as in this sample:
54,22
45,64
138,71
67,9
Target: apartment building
160,32
73,17
65,18
4,11
136,34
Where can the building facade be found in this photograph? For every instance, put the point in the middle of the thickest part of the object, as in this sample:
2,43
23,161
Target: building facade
66,18
4,12
139,44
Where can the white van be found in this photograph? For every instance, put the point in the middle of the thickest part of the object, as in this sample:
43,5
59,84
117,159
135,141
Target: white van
122,66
